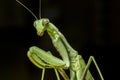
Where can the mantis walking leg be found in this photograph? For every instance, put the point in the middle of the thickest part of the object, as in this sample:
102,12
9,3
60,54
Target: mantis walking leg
87,68
56,72
43,73
64,75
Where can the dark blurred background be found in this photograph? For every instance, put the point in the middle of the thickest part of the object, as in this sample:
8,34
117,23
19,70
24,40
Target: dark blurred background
90,26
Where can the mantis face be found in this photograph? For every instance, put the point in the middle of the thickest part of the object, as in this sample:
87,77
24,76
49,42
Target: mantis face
41,25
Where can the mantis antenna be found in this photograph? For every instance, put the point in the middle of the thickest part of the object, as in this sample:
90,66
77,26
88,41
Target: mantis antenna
40,9
28,9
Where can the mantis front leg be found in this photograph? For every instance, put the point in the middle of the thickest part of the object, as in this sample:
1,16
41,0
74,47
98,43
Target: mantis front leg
44,59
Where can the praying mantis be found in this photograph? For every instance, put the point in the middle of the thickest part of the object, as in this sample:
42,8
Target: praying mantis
71,60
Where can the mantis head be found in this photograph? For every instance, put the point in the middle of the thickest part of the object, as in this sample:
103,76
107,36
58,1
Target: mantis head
41,25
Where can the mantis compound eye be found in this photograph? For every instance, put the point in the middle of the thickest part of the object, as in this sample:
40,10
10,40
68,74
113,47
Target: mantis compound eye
45,21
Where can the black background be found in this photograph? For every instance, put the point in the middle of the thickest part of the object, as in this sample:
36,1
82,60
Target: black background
90,26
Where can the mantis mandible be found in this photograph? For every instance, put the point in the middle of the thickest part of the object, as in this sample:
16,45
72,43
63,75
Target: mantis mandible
71,60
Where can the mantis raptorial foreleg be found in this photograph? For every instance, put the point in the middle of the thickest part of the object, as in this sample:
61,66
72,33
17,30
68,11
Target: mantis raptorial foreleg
45,59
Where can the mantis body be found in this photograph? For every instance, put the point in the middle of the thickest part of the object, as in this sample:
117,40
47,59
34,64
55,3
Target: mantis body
71,60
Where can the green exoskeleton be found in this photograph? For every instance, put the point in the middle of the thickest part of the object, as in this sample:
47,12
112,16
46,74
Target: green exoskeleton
71,60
